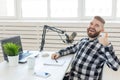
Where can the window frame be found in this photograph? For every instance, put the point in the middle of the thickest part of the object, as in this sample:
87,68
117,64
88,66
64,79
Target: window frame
81,16
10,17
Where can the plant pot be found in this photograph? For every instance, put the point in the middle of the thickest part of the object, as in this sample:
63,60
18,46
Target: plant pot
13,60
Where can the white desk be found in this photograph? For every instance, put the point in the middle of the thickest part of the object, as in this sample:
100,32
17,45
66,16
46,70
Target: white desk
21,72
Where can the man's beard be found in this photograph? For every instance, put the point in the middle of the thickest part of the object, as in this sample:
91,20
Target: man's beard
96,34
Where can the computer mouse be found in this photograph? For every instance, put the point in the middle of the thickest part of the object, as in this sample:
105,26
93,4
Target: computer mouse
45,54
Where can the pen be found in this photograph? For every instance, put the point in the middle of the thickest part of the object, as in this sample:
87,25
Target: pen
55,59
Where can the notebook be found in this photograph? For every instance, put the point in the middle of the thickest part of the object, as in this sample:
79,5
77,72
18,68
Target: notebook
17,40
52,62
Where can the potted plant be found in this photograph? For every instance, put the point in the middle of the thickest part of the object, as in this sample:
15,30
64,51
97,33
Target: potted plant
12,50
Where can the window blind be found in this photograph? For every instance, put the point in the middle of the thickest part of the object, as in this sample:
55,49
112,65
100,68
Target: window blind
31,35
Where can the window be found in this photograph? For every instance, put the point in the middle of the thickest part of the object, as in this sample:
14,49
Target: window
34,8
64,8
98,7
7,8
59,9
118,8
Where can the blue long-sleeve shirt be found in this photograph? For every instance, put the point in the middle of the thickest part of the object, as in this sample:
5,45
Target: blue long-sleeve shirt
90,56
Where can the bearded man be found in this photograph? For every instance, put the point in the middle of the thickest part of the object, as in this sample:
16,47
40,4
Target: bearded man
91,53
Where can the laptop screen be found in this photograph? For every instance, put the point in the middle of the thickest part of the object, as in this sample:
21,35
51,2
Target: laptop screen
15,39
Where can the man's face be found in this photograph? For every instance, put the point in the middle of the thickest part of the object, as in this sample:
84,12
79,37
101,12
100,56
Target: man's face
94,28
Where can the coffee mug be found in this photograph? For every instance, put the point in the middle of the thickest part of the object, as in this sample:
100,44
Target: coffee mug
31,62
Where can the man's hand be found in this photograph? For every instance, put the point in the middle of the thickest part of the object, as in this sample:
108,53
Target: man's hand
104,39
55,56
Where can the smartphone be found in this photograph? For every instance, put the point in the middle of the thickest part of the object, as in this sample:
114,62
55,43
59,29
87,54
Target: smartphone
42,74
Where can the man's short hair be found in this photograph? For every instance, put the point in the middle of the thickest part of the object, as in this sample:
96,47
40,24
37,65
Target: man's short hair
100,19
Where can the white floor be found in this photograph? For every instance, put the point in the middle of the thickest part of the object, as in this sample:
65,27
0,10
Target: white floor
109,74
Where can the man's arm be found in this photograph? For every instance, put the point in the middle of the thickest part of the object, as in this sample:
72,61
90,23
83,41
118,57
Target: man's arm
69,50
111,59
62,52
66,51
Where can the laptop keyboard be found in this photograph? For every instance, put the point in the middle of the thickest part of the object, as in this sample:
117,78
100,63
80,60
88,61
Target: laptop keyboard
24,55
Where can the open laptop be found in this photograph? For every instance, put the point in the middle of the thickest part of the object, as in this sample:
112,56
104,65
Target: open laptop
22,55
